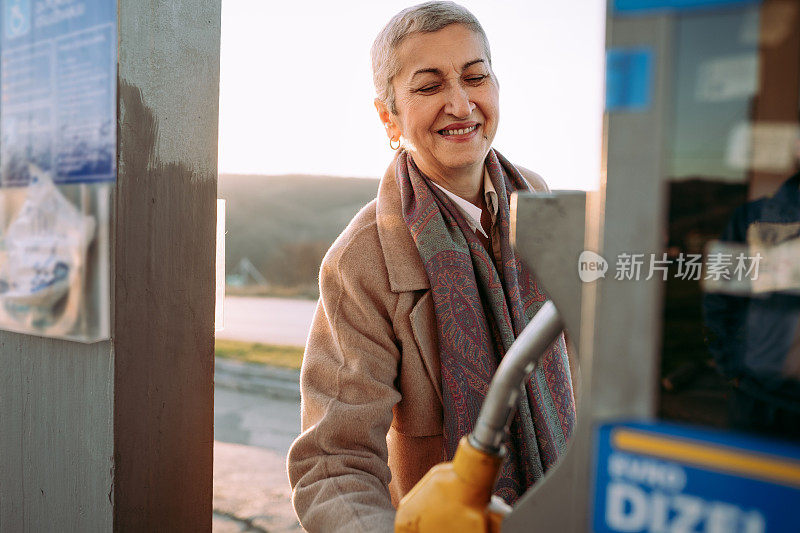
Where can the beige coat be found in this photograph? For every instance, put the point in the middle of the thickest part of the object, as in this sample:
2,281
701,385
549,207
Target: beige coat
371,381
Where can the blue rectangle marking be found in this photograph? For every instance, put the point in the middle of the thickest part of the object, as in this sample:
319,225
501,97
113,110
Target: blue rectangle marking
636,6
629,79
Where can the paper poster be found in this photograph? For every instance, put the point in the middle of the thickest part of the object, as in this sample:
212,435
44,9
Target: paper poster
58,145
727,78
58,94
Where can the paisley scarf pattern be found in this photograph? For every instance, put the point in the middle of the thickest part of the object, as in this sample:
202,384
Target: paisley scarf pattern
479,312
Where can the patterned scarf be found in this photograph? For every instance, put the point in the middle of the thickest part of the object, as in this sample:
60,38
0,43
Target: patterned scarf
479,313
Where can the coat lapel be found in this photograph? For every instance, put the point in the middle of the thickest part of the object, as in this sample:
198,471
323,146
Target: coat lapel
423,324
407,273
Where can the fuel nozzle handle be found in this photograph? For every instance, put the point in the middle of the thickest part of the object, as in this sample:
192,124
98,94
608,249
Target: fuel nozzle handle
517,364
457,496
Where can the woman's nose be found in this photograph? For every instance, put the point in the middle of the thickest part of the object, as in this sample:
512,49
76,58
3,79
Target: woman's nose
458,102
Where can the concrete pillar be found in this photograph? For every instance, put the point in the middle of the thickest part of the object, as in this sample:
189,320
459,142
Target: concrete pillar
118,435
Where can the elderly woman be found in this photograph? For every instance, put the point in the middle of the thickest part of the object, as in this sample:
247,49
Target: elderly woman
422,294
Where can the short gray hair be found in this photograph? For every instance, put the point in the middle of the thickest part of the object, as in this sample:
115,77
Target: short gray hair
422,18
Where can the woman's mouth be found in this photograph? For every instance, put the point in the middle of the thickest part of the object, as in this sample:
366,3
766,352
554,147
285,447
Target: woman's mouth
459,133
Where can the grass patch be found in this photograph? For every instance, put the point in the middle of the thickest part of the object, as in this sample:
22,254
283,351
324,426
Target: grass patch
307,291
265,354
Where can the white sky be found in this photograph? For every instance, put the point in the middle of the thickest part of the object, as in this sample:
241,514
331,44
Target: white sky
296,86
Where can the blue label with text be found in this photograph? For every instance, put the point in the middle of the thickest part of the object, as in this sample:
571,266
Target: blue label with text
657,477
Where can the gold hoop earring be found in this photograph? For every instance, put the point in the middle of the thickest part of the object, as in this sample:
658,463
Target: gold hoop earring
392,146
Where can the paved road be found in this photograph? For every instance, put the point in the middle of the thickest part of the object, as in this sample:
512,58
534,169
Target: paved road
255,420
267,320
252,434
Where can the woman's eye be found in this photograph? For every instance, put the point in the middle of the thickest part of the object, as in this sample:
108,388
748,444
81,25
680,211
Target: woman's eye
428,89
476,79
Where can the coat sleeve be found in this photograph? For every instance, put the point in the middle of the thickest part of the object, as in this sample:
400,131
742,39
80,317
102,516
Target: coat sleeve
338,466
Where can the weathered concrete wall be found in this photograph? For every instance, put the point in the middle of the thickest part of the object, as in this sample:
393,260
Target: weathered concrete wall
164,265
118,435
56,441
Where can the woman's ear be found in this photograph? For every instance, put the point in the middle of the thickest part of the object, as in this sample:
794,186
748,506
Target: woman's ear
389,120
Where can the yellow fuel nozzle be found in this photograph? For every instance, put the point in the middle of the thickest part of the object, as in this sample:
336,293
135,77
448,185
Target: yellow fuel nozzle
453,496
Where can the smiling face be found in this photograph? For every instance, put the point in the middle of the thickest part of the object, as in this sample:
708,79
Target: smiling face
446,97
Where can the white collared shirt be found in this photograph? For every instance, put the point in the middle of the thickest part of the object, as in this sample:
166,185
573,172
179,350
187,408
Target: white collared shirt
472,213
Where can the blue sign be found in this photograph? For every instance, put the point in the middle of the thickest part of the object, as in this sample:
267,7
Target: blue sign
640,6
629,79
658,477
58,66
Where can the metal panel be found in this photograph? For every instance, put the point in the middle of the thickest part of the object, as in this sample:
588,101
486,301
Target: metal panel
556,223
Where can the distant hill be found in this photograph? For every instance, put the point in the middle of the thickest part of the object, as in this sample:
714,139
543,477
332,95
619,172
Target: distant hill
284,224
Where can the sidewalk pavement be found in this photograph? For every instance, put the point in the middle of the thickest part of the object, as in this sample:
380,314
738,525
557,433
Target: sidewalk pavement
251,491
251,488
